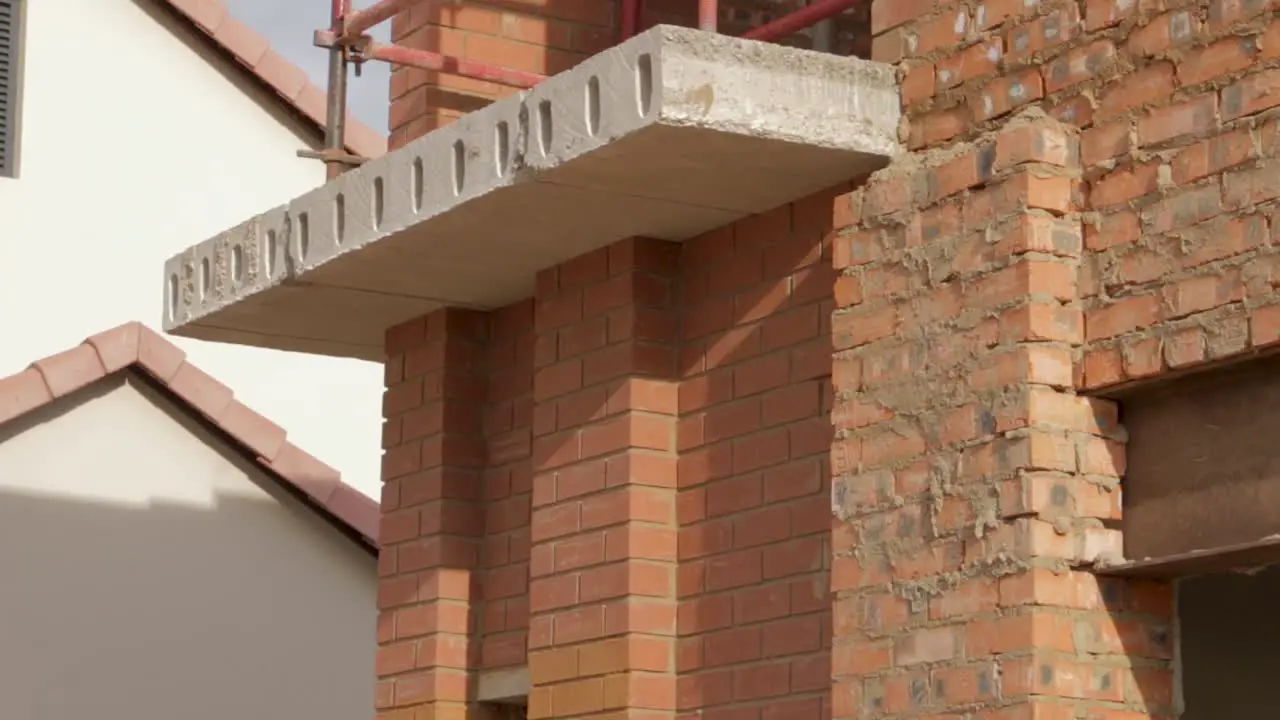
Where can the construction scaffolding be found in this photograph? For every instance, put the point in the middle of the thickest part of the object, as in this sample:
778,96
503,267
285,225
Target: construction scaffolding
349,44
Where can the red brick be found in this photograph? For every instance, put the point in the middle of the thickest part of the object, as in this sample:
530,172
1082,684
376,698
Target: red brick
1078,65
886,14
1151,84
1251,94
1194,117
991,13
1006,93
1105,142
1224,13
944,31
918,84
1212,156
1225,56
1042,34
973,62
1124,185
1164,32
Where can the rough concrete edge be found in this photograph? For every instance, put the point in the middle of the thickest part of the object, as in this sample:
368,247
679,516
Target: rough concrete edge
503,684
776,82
657,77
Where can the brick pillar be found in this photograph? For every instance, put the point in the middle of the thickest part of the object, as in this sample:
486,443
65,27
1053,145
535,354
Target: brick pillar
432,519
603,565
548,38
530,35
754,438
972,480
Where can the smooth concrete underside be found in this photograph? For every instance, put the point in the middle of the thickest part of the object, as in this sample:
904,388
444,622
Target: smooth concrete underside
671,134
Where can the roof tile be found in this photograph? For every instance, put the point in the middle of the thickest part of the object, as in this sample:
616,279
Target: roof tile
158,356
203,393
242,41
311,101
256,432
360,511
22,393
207,14
305,471
117,348
135,345
70,370
288,79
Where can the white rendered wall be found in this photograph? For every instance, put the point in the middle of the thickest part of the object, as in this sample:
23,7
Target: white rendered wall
136,142
152,574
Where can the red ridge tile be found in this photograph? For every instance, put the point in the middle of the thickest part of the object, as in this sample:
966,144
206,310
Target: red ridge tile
70,370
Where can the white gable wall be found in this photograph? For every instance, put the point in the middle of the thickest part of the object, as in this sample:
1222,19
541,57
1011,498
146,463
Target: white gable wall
137,141
150,573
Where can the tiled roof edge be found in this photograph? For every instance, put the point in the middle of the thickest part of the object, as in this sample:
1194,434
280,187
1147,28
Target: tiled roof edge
134,345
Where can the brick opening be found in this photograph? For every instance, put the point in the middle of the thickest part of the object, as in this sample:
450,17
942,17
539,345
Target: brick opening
1228,634
1201,469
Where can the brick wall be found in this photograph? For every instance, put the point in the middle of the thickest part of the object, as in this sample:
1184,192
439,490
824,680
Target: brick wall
603,572
1087,203
622,482
754,435
547,37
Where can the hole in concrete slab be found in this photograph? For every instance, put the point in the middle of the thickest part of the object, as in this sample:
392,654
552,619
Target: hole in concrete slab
340,217
459,166
173,297
544,127
237,263
269,257
417,184
644,83
593,106
304,236
206,275
377,203
502,147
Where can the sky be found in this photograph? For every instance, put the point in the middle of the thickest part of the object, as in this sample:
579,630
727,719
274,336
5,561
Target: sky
289,24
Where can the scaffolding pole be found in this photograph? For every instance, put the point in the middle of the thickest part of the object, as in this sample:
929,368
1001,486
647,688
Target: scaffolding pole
808,16
348,44
336,99
630,18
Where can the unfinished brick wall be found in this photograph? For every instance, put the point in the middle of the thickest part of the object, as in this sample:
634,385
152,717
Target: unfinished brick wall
548,37
1086,204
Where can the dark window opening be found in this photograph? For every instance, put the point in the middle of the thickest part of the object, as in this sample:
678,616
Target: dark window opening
1228,635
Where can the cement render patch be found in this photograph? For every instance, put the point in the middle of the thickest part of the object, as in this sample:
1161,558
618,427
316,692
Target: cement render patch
670,134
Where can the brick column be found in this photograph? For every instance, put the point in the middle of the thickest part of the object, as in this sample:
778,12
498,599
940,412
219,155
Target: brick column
530,35
972,480
754,436
432,519
602,589
548,38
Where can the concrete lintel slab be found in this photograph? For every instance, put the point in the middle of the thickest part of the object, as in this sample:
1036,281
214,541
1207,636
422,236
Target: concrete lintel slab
668,135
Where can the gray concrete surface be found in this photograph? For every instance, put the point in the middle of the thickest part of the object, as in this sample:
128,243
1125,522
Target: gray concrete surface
668,135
